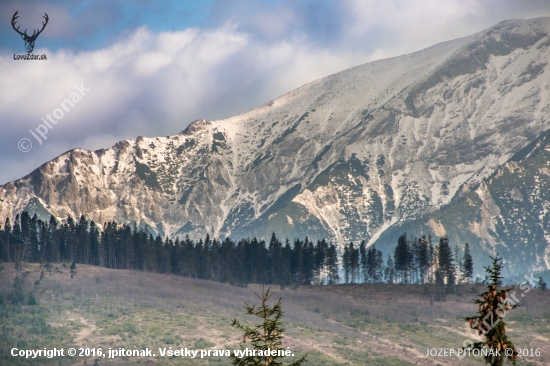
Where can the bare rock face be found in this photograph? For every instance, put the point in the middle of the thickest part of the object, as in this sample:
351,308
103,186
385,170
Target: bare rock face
344,157
506,213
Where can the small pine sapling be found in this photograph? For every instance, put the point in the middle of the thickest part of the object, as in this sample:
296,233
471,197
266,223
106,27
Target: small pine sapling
542,284
73,269
493,306
267,335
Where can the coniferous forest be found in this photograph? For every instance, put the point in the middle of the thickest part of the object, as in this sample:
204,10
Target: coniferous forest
300,262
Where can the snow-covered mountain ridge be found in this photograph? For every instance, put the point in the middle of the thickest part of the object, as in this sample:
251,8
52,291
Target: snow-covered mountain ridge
508,213
343,157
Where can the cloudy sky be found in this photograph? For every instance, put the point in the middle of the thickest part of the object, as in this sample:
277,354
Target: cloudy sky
153,67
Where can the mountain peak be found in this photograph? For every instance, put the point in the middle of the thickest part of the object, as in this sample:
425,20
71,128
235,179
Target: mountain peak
195,126
344,157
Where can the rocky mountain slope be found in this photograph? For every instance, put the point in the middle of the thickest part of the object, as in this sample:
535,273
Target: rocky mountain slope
344,157
508,212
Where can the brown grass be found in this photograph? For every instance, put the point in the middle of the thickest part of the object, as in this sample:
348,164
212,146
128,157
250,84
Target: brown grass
337,325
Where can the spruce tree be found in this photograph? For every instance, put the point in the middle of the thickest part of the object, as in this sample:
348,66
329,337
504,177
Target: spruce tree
446,265
308,262
297,262
274,251
389,271
423,258
431,261
4,248
332,265
364,261
17,243
371,264
458,268
53,236
346,262
493,306
379,261
6,240
467,265
266,337
415,260
354,263
26,234
542,284
320,262
403,258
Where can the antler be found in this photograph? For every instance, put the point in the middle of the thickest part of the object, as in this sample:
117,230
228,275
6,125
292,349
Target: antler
15,16
43,25
34,34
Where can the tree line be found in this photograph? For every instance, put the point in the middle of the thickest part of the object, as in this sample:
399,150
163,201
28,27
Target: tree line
300,262
414,260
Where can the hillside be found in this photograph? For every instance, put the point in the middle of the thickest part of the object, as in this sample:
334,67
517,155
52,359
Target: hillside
507,212
337,325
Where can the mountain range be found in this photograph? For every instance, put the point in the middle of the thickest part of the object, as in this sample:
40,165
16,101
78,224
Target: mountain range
451,139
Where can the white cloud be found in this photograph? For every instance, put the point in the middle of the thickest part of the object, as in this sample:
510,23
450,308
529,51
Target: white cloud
148,83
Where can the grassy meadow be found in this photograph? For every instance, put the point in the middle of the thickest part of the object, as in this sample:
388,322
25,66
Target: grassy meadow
361,324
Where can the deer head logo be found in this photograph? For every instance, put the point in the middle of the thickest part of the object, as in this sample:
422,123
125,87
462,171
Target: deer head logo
29,40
